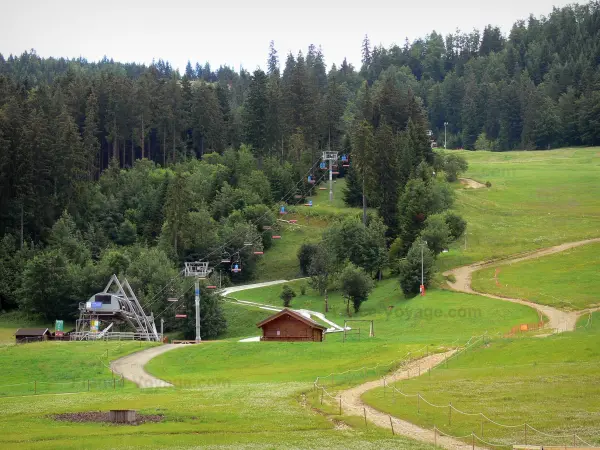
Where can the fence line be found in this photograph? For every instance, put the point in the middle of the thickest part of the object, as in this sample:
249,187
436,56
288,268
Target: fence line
470,343
85,383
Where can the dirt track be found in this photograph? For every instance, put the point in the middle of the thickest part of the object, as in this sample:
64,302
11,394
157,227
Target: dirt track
557,319
352,404
132,366
471,183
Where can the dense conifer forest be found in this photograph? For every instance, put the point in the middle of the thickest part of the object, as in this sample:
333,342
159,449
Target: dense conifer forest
110,167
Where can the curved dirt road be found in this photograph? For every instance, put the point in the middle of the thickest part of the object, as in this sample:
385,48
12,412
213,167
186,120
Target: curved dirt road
557,319
353,404
132,366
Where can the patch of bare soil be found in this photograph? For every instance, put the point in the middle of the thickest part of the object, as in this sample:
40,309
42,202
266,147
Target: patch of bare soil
468,182
100,417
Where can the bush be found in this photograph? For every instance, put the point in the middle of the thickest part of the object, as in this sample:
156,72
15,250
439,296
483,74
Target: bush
488,184
287,294
456,224
436,233
305,256
303,289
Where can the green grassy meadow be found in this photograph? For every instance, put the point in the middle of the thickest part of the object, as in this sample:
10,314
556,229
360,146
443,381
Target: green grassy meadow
249,416
280,262
569,280
258,395
537,199
438,318
56,366
553,384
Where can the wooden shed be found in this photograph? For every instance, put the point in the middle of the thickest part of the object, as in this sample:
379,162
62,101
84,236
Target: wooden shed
25,335
289,325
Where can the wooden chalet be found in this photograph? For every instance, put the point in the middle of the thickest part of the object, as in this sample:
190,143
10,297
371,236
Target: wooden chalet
289,325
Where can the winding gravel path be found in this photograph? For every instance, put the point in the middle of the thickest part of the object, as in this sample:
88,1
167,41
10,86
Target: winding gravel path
353,404
559,320
132,366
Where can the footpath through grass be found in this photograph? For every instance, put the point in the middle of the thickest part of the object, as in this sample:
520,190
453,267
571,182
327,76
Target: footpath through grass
250,416
537,199
568,280
552,383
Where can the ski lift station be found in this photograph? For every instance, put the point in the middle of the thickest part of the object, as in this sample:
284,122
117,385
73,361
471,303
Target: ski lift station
115,305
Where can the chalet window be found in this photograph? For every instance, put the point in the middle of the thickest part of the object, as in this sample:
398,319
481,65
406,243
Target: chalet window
278,333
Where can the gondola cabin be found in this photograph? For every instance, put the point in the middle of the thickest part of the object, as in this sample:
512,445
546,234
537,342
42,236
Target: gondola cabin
289,325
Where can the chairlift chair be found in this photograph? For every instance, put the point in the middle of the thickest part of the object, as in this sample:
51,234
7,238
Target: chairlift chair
323,166
226,258
276,237
309,203
311,180
282,210
180,316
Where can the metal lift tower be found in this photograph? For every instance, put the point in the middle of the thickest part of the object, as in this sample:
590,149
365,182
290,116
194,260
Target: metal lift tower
198,270
331,157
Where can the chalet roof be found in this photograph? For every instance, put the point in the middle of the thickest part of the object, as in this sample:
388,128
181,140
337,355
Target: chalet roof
31,332
296,315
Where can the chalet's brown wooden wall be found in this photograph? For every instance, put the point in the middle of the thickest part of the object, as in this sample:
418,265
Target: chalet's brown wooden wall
290,329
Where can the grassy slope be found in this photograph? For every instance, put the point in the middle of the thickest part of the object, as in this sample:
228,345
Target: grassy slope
535,201
410,320
566,280
253,416
551,383
241,321
280,261
59,366
439,318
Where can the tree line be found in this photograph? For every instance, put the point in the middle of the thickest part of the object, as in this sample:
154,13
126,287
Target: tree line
129,159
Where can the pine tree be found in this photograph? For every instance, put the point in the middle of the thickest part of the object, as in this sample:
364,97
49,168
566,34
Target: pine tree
255,113
90,135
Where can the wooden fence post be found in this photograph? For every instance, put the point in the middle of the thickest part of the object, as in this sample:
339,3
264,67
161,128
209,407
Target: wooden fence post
365,411
481,425
322,391
88,385
418,403
392,425
340,405
450,414
434,436
473,441
525,434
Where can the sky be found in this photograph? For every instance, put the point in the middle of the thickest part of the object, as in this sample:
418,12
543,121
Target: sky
237,33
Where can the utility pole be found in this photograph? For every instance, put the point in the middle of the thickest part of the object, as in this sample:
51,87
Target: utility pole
162,327
330,169
422,287
364,199
197,301
445,125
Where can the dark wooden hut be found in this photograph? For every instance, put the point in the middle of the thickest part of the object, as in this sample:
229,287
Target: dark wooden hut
289,325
